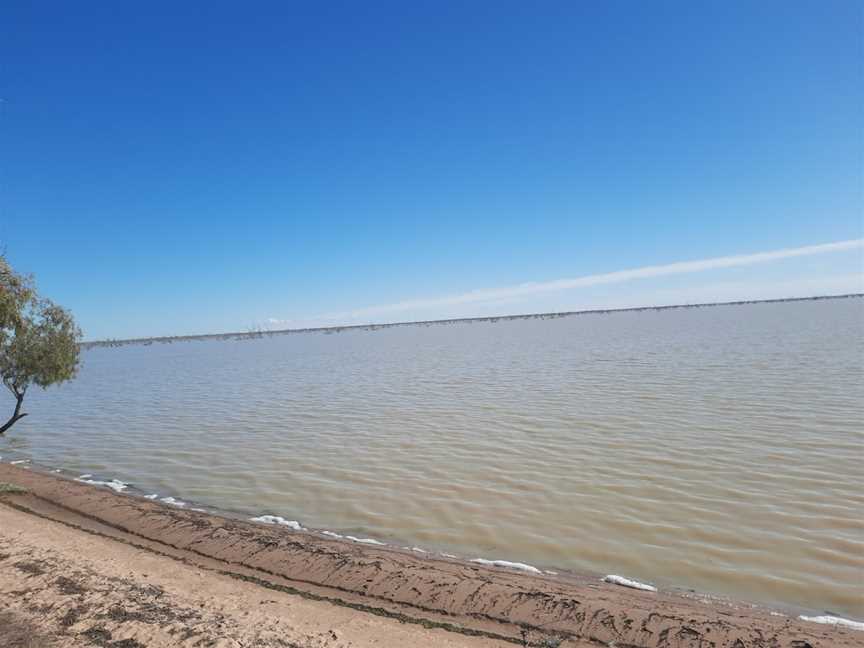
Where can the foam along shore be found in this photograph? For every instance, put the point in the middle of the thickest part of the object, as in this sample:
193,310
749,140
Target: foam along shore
463,602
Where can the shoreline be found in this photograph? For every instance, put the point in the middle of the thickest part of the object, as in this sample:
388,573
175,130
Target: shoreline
494,601
260,333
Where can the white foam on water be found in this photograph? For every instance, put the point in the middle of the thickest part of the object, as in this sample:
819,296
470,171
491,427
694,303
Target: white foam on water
507,563
20,461
172,502
446,555
200,510
87,476
551,573
628,582
56,470
369,541
275,519
419,550
115,484
152,497
833,620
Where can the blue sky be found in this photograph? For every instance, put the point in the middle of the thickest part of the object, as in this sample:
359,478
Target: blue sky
170,170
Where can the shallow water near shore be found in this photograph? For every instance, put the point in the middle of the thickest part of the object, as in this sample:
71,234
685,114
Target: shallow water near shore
718,449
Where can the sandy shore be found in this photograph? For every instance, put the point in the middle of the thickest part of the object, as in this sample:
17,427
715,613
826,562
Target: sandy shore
84,566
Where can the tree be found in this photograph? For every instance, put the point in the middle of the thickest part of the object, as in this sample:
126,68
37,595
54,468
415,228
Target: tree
39,341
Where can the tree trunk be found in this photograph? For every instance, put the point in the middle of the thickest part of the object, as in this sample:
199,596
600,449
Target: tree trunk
18,414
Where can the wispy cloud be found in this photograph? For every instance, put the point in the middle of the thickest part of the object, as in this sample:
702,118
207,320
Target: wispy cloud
520,291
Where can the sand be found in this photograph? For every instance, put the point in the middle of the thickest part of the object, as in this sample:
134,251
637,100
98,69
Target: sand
81,565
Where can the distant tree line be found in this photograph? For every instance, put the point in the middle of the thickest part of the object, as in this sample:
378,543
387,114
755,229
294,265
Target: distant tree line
256,332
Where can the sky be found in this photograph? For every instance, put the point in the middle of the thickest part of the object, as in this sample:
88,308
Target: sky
181,168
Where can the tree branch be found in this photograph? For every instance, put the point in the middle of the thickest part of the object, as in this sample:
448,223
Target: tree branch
17,415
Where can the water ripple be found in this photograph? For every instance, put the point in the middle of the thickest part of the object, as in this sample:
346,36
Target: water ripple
716,448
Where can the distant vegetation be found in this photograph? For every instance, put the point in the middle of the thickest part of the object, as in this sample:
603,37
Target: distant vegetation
39,340
257,332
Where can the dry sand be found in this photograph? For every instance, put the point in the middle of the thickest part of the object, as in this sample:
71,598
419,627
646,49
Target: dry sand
83,566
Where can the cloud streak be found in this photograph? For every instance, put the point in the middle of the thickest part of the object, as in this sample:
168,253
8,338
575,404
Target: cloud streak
519,291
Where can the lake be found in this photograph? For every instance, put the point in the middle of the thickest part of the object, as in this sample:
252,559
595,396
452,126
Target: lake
715,448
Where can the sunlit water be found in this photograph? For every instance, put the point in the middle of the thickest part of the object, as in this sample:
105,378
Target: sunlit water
718,449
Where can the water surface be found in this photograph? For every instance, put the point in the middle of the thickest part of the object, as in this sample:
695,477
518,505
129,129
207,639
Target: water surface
718,448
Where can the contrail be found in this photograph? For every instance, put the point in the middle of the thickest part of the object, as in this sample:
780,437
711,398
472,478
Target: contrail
620,276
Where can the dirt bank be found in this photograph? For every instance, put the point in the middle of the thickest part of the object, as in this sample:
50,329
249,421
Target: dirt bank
81,565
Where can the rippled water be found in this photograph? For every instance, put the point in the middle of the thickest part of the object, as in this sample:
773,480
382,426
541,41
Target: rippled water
712,448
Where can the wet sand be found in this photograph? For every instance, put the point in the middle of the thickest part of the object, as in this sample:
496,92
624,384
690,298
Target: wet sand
83,566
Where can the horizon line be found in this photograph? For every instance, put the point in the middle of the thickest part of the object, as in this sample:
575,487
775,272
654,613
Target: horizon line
253,334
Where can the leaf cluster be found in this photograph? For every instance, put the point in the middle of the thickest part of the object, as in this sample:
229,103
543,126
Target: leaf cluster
39,340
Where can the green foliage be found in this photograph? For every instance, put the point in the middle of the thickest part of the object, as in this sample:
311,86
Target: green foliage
39,341
15,292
